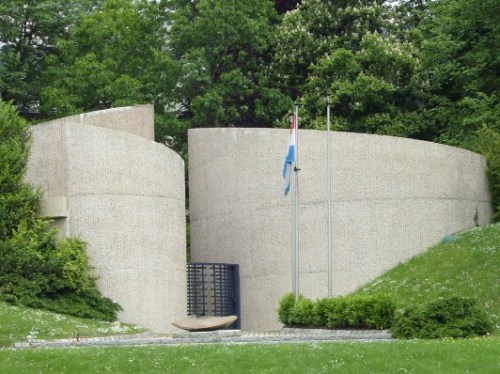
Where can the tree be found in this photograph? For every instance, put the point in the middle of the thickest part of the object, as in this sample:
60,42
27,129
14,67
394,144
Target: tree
113,56
459,49
372,90
461,62
28,34
351,52
117,55
224,49
318,28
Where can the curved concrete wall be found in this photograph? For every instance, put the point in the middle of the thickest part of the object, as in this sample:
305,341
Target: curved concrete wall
392,199
124,195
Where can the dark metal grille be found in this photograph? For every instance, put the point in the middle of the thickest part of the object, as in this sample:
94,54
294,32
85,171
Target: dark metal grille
213,290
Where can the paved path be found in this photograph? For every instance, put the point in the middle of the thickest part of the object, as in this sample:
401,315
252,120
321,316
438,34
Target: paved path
210,337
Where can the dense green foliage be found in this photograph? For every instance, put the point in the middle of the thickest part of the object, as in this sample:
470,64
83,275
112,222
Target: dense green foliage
349,312
347,52
224,48
36,269
465,267
29,32
415,68
455,317
17,200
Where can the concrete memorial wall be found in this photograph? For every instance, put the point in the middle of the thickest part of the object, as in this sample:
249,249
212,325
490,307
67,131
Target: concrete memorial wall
107,181
392,199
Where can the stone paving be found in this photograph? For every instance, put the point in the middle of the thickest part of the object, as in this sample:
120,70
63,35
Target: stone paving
210,337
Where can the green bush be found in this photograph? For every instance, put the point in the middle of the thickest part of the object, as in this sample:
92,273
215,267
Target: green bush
296,312
285,308
87,304
454,316
302,313
370,312
36,269
41,272
364,311
323,309
331,312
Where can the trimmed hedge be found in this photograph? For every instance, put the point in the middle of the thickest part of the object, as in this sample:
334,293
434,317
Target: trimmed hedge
349,312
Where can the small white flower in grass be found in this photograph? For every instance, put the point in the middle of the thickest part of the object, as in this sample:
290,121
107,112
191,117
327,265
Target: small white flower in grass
32,335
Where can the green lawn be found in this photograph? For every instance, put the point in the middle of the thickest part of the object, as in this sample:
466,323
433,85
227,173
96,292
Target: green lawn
18,323
480,356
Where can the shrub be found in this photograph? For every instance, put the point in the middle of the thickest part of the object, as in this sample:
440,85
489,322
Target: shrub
286,305
36,269
364,311
40,272
454,316
302,313
322,310
372,312
335,313
296,312
380,313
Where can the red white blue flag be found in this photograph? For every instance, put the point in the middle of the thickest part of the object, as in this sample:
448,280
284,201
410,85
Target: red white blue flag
291,156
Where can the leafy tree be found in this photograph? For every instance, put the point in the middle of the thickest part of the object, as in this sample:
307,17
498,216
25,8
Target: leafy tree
372,90
408,15
112,57
224,49
350,51
318,28
28,34
117,55
35,268
459,50
461,62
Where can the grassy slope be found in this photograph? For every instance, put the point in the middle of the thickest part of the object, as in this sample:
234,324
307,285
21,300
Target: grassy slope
19,323
468,266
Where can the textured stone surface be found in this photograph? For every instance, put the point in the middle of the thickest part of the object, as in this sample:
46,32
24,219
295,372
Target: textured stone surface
392,199
125,196
214,337
135,120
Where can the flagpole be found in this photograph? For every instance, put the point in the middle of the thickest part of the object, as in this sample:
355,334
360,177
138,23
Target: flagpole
329,177
297,207
294,192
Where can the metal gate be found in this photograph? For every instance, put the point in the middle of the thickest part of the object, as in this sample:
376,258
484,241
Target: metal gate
214,290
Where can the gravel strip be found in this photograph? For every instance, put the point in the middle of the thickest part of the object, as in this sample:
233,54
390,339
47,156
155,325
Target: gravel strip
209,337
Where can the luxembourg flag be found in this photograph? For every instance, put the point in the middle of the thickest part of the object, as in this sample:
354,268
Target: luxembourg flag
291,156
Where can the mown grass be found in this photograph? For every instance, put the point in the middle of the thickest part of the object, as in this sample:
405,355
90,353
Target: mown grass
468,266
425,356
18,324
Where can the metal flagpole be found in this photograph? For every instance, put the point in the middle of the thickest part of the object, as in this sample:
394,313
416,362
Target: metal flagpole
296,203
294,192
329,176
